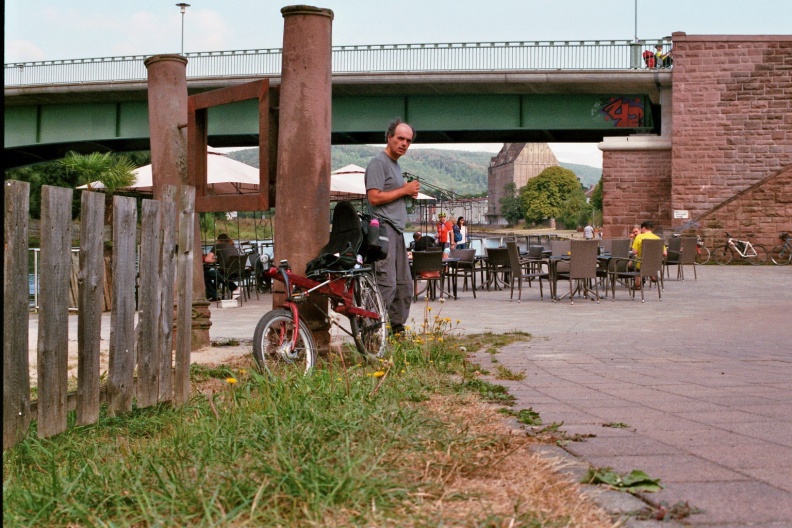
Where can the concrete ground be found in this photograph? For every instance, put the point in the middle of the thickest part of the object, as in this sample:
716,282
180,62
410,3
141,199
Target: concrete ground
702,380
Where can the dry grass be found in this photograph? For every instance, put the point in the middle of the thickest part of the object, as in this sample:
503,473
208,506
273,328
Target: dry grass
497,477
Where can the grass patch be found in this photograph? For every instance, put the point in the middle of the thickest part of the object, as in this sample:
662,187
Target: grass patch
407,441
503,373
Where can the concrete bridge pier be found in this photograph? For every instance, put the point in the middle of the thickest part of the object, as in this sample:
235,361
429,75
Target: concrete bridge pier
302,207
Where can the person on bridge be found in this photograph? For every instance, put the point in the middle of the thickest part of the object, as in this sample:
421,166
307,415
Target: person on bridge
663,60
386,191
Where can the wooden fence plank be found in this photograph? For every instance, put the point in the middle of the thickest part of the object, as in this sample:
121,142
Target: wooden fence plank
167,279
148,359
53,334
181,382
89,306
16,378
122,319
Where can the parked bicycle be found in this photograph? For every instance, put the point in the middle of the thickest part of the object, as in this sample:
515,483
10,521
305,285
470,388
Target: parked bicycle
754,254
283,337
782,255
702,253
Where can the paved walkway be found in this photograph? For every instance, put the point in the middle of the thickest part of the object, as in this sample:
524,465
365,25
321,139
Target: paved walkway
703,379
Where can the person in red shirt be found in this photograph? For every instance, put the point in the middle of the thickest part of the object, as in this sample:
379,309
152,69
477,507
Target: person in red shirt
444,228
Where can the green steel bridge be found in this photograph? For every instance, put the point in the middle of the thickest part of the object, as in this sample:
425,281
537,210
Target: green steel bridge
452,93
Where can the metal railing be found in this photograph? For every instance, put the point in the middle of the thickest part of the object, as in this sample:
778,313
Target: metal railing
478,56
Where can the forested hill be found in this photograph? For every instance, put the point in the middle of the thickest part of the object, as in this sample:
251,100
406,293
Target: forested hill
460,171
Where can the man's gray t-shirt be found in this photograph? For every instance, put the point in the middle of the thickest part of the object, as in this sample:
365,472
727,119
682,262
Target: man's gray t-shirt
384,174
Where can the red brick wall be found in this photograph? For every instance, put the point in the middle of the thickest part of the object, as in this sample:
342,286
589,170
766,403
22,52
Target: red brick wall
636,186
732,128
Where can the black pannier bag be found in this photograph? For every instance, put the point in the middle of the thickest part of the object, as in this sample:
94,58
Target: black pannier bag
348,239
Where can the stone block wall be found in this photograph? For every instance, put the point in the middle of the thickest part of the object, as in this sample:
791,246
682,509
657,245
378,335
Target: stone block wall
759,213
732,129
636,187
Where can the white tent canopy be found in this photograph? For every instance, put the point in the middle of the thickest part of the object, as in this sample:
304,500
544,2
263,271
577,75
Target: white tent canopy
350,182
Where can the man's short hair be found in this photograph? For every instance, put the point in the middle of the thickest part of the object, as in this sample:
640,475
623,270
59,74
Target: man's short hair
392,129
647,224
416,235
223,236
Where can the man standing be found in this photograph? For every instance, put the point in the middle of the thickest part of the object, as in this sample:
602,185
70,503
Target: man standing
385,191
588,232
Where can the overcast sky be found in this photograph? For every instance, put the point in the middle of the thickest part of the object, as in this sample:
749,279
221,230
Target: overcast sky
47,29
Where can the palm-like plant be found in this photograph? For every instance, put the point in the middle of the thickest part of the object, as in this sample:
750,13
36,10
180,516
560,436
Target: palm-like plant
114,172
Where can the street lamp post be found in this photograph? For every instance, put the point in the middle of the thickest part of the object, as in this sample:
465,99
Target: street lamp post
183,8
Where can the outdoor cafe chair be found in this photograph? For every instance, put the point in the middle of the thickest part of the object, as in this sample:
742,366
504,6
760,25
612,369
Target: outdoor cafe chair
427,266
233,268
582,269
681,254
649,265
498,266
466,267
520,272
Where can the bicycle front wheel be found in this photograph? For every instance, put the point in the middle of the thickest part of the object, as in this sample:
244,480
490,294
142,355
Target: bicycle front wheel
371,335
781,255
273,341
758,256
702,255
723,255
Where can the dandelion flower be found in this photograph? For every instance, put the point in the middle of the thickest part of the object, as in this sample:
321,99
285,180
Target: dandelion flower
242,371
462,349
379,374
231,380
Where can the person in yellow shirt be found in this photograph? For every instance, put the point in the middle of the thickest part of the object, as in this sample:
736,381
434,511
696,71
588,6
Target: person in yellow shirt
646,233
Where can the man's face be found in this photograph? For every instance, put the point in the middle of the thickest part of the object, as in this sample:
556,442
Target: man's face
399,142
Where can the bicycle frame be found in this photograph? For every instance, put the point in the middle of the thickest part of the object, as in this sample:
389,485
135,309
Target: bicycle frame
749,249
337,288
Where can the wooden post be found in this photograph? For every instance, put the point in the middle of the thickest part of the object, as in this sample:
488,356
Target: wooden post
122,318
184,293
167,280
16,297
89,306
53,334
148,360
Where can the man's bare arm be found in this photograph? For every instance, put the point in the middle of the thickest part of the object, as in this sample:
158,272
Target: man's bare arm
379,197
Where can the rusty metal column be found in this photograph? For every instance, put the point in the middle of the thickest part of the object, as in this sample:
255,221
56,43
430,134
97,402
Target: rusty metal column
167,105
302,211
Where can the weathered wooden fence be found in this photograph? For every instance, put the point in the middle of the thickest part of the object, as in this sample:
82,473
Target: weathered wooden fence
144,365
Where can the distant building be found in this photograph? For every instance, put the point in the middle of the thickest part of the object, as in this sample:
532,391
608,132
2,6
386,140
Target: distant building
518,163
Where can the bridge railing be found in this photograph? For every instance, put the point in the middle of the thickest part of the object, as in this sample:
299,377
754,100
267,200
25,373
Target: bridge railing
478,56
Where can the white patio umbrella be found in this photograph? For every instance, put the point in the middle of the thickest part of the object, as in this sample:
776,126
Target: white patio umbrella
224,176
350,182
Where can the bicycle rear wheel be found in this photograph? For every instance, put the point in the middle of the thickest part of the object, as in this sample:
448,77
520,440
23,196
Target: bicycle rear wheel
781,255
702,255
371,335
723,255
273,339
758,257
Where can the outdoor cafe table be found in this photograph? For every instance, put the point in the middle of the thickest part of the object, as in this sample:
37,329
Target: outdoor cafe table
602,263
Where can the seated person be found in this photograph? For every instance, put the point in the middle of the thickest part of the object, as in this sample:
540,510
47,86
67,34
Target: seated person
646,233
663,60
421,243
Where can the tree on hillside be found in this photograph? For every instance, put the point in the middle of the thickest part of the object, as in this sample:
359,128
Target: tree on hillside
545,195
510,205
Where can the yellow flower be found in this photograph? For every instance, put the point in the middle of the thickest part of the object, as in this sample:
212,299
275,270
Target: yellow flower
242,371
402,371
429,309
231,380
439,339
379,374
458,321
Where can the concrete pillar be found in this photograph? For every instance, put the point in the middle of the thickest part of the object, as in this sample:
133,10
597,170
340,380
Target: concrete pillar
302,209
167,103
